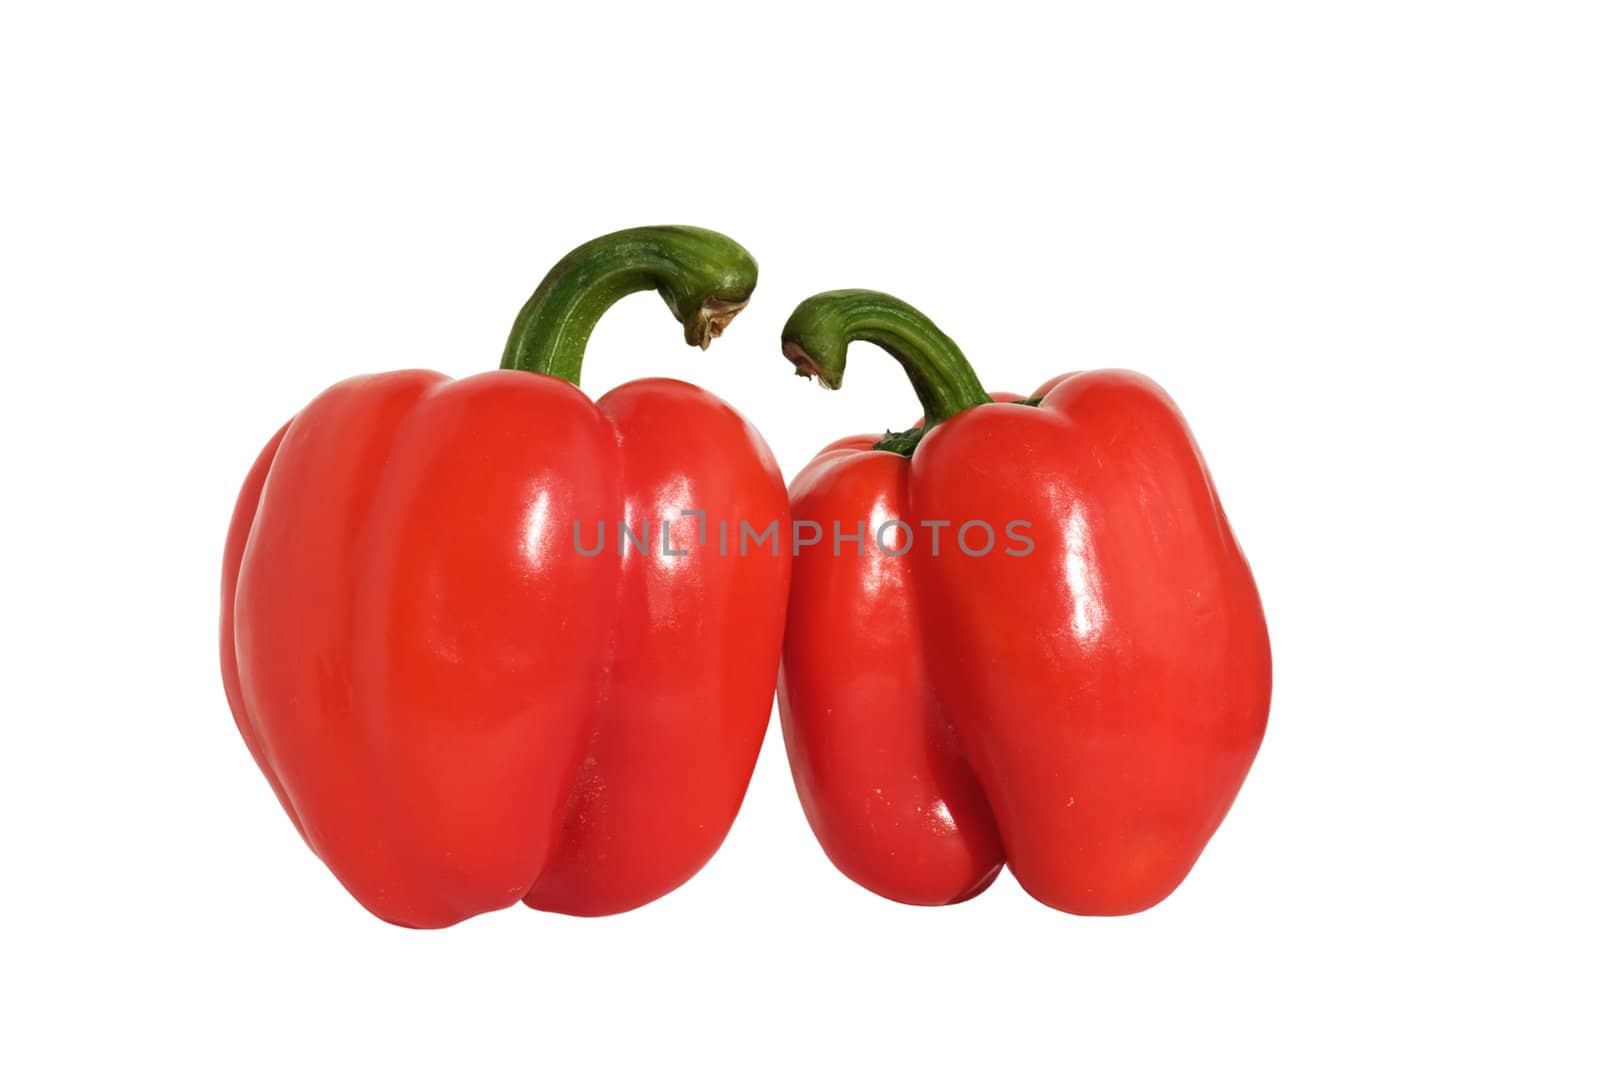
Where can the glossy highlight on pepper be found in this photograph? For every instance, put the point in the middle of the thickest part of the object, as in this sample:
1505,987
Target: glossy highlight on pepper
457,710
1085,714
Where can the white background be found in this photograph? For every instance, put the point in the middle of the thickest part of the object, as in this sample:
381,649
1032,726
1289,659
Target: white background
1357,242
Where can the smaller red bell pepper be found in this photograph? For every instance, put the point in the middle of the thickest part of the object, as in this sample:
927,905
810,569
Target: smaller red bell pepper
1047,651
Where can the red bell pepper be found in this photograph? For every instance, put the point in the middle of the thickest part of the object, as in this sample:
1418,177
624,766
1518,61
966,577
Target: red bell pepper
457,706
1057,660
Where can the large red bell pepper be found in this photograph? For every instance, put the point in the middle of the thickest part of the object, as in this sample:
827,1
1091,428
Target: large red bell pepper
1056,660
457,700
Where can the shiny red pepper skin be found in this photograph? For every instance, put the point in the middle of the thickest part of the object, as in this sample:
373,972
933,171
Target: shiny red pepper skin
457,708
1085,713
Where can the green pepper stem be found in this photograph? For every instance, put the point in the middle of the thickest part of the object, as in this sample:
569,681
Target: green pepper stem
704,277
822,327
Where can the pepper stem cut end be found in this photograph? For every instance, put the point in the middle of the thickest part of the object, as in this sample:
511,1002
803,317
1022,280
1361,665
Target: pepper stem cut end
710,320
806,367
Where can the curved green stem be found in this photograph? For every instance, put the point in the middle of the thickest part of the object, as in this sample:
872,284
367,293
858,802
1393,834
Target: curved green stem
822,327
704,277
